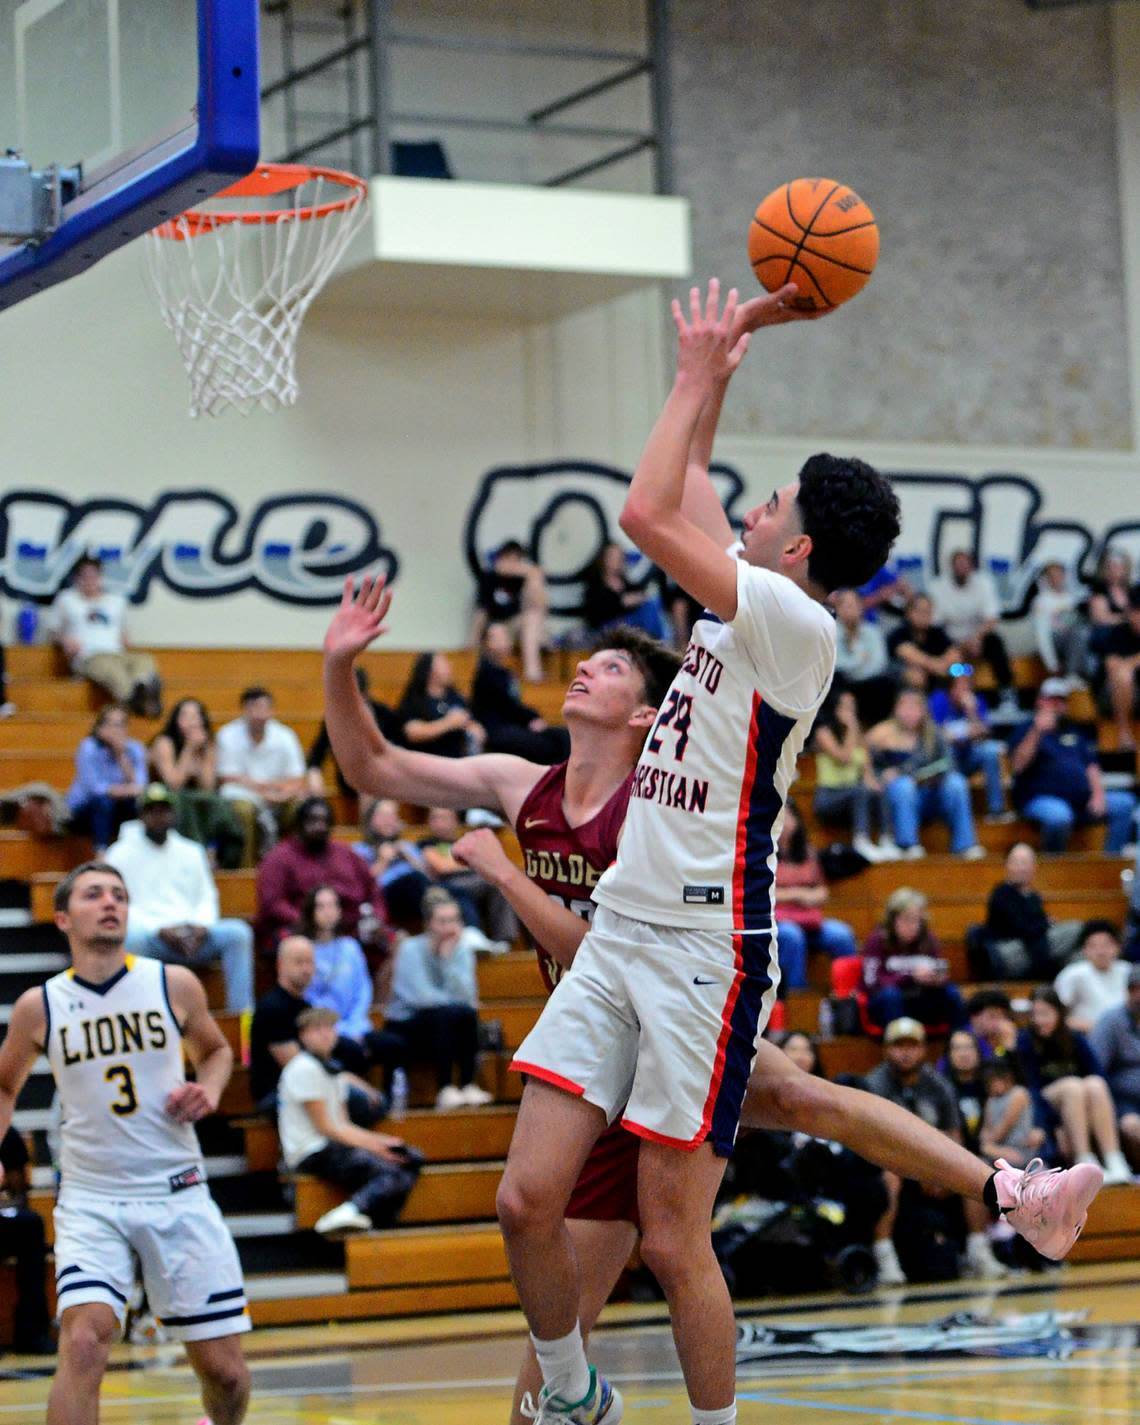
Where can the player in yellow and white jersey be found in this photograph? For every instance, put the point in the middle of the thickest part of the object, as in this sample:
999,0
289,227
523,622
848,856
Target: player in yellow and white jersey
114,1028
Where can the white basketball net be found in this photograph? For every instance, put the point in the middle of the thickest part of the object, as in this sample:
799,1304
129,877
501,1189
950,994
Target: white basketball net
235,293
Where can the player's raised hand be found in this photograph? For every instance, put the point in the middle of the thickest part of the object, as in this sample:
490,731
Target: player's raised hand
707,346
189,1102
360,617
772,309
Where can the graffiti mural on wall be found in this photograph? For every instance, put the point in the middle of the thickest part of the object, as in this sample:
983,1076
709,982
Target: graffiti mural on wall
295,549
565,511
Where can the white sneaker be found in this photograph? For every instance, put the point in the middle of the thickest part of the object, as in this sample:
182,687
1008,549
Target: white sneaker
867,849
973,853
980,1259
8,709
913,853
887,1261
450,1097
342,1219
1116,1169
476,1097
889,850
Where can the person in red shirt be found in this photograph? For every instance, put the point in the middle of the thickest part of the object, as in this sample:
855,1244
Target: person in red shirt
801,894
305,860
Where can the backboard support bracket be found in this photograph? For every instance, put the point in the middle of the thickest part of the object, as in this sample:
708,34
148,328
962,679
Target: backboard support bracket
32,199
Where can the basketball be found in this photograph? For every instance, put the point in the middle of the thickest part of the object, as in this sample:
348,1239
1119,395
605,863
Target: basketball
818,234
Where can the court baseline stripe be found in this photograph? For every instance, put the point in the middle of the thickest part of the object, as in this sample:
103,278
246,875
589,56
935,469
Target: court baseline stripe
881,1411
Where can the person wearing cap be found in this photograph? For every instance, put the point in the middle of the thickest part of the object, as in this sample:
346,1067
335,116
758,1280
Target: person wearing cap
1057,781
1122,670
319,1138
1115,1040
174,912
907,1079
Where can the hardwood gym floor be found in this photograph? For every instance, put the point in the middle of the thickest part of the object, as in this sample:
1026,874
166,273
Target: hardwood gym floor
457,1370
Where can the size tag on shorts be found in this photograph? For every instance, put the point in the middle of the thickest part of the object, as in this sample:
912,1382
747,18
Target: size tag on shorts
188,1178
703,895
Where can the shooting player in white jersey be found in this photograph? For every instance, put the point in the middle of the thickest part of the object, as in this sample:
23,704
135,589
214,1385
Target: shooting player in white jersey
132,1181
659,1015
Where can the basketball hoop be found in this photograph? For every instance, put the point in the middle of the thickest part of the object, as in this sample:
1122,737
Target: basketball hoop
234,282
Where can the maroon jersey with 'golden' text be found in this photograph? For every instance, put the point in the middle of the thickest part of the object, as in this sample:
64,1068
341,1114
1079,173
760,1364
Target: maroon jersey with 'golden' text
567,861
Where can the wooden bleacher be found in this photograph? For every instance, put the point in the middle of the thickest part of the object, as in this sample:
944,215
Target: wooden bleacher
446,1253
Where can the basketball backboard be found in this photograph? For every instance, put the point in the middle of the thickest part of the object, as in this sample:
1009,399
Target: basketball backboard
154,102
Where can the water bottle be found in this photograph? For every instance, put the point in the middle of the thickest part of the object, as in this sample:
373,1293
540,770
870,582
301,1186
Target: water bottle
27,621
826,1019
398,1104
367,924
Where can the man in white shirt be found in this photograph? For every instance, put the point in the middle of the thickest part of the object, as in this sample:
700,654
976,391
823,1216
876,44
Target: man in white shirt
261,766
88,625
174,901
1097,980
966,605
318,1137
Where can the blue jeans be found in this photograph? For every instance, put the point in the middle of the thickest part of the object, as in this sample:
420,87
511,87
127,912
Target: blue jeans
986,758
910,804
929,1004
1057,818
230,941
793,943
837,804
101,816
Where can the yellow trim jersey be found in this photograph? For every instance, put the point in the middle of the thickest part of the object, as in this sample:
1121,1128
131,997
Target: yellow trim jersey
115,1050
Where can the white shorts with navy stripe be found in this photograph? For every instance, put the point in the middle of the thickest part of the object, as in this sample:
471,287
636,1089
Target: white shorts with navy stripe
189,1263
660,1022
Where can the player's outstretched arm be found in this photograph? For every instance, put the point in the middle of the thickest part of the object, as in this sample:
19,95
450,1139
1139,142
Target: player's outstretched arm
205,1046
24,1042
708,352
371,763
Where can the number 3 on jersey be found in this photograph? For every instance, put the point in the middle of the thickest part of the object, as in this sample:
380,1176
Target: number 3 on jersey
128,1100
677,714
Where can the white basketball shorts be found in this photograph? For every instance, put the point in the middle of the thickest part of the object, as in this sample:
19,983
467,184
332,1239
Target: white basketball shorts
660,1022
189,1263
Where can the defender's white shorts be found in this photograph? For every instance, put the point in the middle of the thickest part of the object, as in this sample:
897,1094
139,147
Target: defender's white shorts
190,1265
661,1022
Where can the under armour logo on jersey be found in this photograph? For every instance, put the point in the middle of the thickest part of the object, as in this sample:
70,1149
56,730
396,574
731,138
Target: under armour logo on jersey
703,895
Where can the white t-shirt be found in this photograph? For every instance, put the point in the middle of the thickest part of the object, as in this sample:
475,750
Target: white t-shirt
96,624
304,1079
962,608
277,755
707,800
169,884
1088,992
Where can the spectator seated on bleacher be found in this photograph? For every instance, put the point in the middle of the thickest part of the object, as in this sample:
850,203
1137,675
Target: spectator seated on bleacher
1070,1096
321,750
1060,628
396,864
862,663
922,651
482,904
960,713
110,774
1115,1041
904,973
966,605
1107,607
919,779
273,1031
801,894
432,1013
319,1138
433,714
184,757
1008,1127
1122,670
7,708
1018,940
89,626
609,598
1057,780
992,1023
846,791
306,859
886,592
262,770
512,591
341,980
961,1067
174,912
1097,980
22,1237
511,725
918,1237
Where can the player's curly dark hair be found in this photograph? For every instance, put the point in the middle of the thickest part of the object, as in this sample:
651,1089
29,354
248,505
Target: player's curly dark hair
852,516
656,663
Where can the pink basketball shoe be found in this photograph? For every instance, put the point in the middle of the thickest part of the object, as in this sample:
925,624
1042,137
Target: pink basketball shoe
1048,1206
